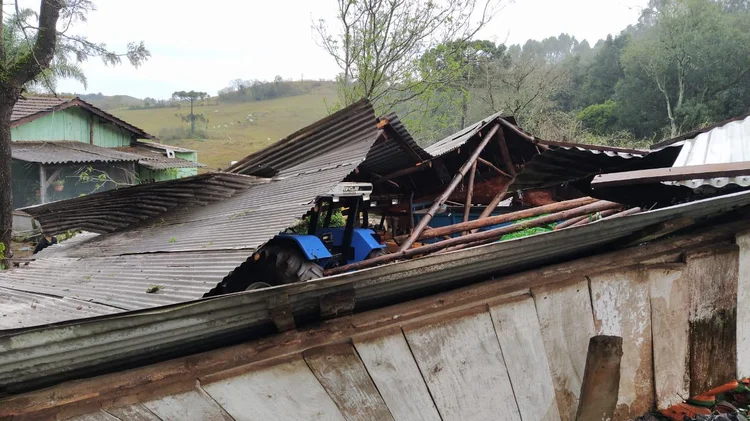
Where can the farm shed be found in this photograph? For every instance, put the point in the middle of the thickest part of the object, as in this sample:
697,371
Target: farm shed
55,140
499,330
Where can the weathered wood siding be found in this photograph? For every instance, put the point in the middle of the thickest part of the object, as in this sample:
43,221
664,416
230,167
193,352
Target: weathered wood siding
73,124
509,354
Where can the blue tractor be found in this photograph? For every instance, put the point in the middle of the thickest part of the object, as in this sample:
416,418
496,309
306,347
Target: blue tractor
297,257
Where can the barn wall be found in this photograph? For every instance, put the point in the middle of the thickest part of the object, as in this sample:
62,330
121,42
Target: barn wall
73,124
517,355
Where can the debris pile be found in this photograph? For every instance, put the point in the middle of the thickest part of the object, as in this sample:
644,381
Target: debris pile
729,402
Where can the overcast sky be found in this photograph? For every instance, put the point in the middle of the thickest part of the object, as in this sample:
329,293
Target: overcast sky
203,45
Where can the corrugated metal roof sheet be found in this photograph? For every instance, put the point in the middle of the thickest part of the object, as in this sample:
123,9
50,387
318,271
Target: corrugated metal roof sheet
156,159
47,354
389,154
117,209
186,234
455,140
163,147
720,145
19,308
64,152
32,105
303,149
562,164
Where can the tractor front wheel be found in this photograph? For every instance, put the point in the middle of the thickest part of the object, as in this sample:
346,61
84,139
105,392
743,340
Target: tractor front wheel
281,265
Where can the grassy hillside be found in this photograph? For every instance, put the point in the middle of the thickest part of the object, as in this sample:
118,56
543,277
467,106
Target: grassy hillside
234,130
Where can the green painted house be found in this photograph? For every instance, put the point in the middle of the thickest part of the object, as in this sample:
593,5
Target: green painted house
64,148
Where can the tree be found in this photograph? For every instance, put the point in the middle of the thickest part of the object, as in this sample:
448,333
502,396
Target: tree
378,43
43,45
191,97
457,67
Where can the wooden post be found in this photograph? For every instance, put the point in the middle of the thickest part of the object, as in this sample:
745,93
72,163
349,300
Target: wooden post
470,191
42,184
505,153
499,197
601,379
451,187
492,166
411,211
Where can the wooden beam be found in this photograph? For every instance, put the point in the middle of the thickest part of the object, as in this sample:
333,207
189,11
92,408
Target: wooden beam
91,129
492,166
656,175
448,190
506,154
601,379
508,217
403,172
470,191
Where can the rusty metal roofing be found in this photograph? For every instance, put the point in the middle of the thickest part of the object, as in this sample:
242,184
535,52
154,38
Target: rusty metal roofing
120,208
186,234
32,105
561,164
395,150
47,354
721,145
65,152
30,108
303,149
456,140
156,159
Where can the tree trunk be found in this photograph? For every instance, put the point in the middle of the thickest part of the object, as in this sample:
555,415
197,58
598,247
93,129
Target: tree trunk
7,100
670,114
464,109
192,119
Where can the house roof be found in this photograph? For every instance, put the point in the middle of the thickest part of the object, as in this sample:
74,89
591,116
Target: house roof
66,152
162,147
156,159
30,108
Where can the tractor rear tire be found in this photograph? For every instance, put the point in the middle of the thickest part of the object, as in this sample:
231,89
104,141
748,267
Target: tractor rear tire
376,253
285,266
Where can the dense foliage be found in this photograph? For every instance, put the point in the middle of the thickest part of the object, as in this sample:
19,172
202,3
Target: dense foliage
683,65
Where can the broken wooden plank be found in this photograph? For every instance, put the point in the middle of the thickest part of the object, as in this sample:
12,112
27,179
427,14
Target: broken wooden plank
136,412
743,310
463,367
287,391
712,277
192,405
658,175
520,338
620,301
392,367
670,307
345,378
601,382
567,323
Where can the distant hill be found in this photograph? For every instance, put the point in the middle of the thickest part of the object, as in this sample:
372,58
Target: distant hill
111,102
233,129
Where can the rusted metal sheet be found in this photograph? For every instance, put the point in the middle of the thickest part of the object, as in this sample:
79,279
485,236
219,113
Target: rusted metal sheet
562,164
354,125
396,150
65,152
32,105
121,208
